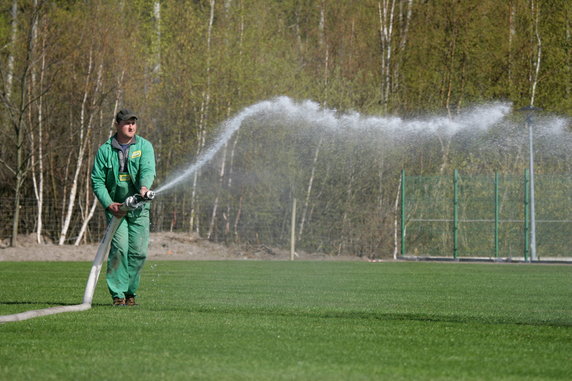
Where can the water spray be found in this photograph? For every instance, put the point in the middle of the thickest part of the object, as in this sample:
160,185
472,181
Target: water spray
131,203
287,110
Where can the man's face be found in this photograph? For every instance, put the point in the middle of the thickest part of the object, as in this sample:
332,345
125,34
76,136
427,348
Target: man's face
126,129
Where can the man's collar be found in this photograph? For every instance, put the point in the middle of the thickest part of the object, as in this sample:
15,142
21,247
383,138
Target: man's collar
116,144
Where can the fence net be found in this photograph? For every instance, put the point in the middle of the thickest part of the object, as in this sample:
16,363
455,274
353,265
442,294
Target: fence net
331,231
489,213
489,218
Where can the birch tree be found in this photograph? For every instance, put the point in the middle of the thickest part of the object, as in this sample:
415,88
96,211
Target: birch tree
405,21
221,176
309,189
204,116
85,124
17,102
13,39
157,16
36,139
511,36
535,17
87,217
386,10
324,50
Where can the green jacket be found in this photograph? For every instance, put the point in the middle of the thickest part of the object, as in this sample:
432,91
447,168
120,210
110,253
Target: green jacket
108,184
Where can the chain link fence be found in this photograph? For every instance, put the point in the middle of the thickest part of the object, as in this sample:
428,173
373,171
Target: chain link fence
316,229
461,216
485,216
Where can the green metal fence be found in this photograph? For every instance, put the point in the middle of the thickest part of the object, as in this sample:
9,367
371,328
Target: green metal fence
485,216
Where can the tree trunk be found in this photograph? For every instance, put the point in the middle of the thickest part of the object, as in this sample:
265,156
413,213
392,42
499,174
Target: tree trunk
535,13
404,36
324,48
229,183
237,219
86,220
511,34
89,216
309,190
38,157
203,121
345,226
157,15
568,88
228,212
450,72
17,190
85,128
13,38
8,92
220,185
386,9
445,142
18,110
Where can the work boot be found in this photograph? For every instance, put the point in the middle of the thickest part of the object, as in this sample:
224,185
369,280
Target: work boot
119,301
130,301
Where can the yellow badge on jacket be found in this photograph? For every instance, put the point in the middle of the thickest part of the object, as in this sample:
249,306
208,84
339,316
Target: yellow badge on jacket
124,177
136,154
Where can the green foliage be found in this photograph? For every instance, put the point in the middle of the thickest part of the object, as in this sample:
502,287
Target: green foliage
185,77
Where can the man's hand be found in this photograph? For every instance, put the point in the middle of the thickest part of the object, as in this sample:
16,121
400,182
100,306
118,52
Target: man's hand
143,191
115,209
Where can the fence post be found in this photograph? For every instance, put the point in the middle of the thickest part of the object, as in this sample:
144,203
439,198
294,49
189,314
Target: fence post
402,212
526,215
455,214
293,231
497,217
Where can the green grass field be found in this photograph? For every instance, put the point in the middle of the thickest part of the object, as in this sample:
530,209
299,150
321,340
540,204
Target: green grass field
246,320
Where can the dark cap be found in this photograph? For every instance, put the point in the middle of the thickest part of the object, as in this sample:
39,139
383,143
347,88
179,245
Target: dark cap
124,115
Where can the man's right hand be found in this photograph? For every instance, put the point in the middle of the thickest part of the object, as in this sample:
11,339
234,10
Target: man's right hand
115,209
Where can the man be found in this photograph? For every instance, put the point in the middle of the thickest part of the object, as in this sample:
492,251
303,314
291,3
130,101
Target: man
125,165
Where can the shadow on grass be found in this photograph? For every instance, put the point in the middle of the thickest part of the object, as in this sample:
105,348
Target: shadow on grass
384,316
34,303
37,303
348,315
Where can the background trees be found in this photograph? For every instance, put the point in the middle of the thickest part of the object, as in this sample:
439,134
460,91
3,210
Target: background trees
67,66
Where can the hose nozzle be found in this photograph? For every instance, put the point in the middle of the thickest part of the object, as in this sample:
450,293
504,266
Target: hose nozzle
136,201
150,195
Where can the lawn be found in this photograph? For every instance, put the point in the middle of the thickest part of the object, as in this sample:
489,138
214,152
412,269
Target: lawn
270,320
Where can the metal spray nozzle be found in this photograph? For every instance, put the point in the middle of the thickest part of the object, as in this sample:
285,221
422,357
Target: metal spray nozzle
136,201
150,195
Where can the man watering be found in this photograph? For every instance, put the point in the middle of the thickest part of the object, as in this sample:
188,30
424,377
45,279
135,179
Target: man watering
124,166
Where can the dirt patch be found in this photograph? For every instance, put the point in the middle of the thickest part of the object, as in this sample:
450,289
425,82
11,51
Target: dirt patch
162,246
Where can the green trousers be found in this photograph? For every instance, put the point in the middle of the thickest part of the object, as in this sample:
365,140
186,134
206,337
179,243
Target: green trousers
127,255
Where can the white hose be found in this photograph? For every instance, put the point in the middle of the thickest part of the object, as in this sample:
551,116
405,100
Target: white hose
102,251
